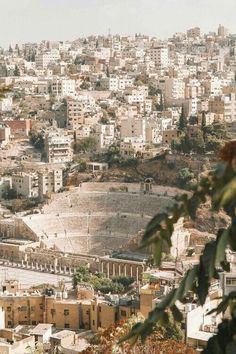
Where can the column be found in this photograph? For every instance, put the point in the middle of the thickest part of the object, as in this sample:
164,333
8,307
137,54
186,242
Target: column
108,270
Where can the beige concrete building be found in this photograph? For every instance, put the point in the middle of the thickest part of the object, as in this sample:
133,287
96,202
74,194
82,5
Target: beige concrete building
5,133
58,147
225,105
168,136
49,182
25,184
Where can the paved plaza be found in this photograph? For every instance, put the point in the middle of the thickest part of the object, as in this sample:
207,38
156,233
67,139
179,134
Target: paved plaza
28,278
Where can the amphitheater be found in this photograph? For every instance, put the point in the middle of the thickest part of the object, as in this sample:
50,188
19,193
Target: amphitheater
95,218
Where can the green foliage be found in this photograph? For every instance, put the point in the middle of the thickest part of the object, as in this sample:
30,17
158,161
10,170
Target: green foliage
16,71
23,204
100,282
125,281
85,145
219,187
212,143
37,140
181,144
218,130
205,139
193,120
153,91
9,193
184,177
85,85
182,121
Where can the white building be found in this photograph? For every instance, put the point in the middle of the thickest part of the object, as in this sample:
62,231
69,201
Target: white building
160,56
133,127
58,147
42,60
110,83
49,181
63,87
25,184
6,104
132,147
104,134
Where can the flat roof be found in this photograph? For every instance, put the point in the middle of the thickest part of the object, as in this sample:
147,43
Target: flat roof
201,335
62,334
41,328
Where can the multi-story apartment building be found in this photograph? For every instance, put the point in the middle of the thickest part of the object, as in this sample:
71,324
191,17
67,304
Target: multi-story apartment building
104,135
110,83
175,88
49,182
83,311
42,60
63,87
222,31
133,127
225,105
132,147
58,147
160,56
25,184
75,114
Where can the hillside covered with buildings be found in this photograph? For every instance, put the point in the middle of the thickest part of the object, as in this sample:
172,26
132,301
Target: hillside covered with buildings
97,135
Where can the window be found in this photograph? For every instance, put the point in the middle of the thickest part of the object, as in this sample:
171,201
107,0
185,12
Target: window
41,306
123,313
67,325
9,323
8,308
53,311
66,312
231,281
32,309
34,323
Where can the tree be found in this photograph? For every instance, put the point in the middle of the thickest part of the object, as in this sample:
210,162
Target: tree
193,120
98,281
203,123
84,145
16,71
184,177
125,281
161,341
196,142
219,188
9,193
213,144
37,139
85,85
182,121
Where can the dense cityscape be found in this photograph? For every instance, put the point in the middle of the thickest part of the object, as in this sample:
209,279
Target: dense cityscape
97,136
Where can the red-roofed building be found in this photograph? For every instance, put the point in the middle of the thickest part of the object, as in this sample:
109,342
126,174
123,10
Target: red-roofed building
19,127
